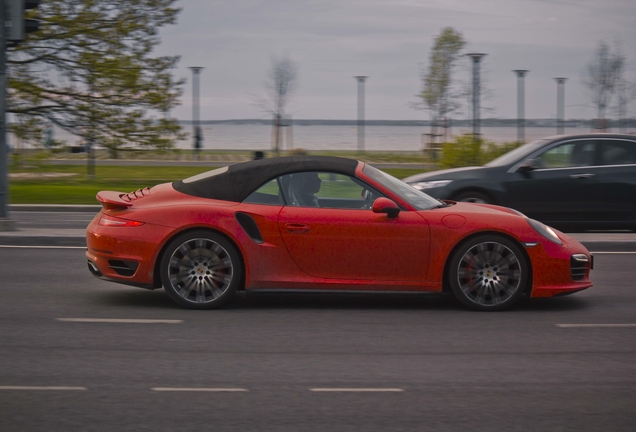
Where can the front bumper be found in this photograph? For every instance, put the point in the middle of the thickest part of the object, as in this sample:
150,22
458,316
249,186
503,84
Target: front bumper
556,271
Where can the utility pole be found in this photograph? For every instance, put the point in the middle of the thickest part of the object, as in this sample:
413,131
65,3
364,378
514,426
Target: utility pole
476,58
521,73
6,224
361,79
11,12
622,105
196,130
560,105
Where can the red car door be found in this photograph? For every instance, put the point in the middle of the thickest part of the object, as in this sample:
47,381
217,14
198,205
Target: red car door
356,244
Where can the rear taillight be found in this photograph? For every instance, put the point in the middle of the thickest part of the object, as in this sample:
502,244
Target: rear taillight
112,221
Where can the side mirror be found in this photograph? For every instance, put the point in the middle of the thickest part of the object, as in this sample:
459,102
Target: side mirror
385,205
529,165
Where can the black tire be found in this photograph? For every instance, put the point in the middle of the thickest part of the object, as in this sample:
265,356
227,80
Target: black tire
489,273
473,196
200,270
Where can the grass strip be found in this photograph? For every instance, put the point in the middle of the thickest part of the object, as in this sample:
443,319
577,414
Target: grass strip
43,184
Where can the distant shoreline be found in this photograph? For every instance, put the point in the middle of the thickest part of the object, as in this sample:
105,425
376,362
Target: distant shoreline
487,122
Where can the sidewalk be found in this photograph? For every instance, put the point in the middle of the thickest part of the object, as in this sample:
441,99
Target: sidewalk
595,241
220,163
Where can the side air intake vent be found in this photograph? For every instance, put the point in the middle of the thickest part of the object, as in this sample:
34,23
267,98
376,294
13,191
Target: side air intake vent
249,226
579,266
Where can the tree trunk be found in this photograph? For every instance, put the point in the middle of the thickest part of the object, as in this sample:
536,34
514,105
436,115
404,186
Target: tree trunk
277,134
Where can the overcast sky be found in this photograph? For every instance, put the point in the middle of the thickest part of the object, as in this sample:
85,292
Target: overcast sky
390,40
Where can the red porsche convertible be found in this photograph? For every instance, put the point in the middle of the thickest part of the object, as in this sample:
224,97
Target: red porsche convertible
324,223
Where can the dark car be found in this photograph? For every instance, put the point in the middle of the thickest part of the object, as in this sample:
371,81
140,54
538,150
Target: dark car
571,182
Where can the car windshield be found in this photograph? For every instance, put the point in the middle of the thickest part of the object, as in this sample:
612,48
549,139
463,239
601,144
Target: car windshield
516,154
416,198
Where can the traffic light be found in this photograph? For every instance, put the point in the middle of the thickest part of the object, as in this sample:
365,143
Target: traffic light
20,25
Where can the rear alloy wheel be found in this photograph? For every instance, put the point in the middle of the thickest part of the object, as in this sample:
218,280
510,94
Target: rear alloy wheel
474,197
200,270
488,273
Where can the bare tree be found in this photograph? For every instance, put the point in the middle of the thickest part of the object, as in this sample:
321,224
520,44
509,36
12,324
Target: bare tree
438,94
280,86
602,78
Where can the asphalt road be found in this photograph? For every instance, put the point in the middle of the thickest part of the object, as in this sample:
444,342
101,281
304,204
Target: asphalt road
379,363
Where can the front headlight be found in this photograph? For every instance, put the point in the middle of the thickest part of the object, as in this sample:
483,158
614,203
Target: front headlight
517,212
430,184
545,231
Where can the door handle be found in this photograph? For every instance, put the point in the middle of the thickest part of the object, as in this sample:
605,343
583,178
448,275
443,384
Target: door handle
295,228
581,176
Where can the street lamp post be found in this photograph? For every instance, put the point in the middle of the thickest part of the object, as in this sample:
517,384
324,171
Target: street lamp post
476,58
196,130
521,73
361,79
560,105
6,224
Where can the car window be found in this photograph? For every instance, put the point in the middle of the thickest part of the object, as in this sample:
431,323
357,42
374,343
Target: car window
327,190
618,152
266,194
570,154
516,154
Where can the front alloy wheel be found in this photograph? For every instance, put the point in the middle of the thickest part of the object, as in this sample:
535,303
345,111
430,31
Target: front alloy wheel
489,273
200,270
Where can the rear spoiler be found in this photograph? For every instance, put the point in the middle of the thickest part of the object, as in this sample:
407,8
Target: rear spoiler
120,201
111,200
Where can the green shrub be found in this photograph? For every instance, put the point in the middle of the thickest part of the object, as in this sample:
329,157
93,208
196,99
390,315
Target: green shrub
469,151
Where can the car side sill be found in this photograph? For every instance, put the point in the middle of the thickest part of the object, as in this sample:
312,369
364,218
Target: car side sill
333,291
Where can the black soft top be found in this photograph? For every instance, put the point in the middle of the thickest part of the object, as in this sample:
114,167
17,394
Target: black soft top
241,179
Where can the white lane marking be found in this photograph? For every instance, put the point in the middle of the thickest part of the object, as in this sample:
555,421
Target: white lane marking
120,320
43,388
594,325
613,253
41,247
345,389
197,389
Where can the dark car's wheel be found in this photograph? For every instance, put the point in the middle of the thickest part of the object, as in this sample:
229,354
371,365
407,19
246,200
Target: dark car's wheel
200,270
489,272
473,196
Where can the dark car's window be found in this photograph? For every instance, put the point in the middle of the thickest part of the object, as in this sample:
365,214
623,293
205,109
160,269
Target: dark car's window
326,190
570,154
266,194
516,154
618,152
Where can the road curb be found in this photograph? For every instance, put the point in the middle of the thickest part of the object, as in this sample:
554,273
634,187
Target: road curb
48,241
92,208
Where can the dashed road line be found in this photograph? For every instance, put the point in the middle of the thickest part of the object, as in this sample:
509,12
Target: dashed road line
120,320
594,325
360,390
43,388
198,389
